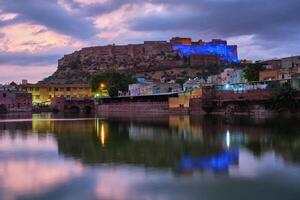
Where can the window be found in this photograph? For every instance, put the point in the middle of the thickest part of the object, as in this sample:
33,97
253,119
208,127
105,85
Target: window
37,97
4,95
68,89
37,89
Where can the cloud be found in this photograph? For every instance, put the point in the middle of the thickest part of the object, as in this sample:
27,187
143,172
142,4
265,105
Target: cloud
225,18
33,74
274,25
25,58
50,14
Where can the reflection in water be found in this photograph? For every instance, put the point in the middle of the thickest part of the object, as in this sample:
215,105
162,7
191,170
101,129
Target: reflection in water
216,163
100,131
146,157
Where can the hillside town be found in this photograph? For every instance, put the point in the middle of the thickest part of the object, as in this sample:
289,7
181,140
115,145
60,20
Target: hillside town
179,54
149,100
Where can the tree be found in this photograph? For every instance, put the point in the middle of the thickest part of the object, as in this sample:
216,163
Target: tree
284,99
112,81
251,72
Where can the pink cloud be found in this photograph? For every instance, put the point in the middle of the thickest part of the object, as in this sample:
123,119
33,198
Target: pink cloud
33,177
33,74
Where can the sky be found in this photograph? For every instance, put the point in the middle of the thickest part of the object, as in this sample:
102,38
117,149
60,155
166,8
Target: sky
34,34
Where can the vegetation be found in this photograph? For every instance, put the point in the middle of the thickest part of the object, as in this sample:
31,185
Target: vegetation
284,99
251,71
2,109
112,81
181,80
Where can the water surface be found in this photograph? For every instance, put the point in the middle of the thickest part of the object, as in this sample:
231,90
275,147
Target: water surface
116,157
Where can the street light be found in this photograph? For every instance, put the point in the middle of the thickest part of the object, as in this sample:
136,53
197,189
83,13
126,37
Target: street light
102,86
101,89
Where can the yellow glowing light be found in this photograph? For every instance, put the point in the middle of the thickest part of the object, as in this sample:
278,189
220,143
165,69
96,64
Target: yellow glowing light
102,135
102,86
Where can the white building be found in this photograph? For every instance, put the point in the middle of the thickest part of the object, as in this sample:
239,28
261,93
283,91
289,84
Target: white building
193,83
226,75
152,88
214,79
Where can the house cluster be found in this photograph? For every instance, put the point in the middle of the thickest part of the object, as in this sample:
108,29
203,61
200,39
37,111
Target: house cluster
14,99
148,87
281,69
228,76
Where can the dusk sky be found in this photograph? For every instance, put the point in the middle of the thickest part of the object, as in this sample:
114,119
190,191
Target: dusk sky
34,34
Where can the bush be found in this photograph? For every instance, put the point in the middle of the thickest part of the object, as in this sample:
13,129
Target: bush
284,99
3,109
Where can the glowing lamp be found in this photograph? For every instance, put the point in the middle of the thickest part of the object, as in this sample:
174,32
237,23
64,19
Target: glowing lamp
102,86
227,87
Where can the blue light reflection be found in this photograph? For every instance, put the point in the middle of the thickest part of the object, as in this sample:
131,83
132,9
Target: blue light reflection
217,163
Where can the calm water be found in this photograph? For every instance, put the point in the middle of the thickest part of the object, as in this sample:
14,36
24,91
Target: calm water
148,157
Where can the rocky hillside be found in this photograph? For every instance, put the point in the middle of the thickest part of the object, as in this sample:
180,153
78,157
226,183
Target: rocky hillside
156,59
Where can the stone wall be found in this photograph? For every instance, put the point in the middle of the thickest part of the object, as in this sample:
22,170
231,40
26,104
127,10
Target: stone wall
194,107
254,95
144,107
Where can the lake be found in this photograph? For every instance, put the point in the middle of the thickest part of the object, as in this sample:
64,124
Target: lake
148,157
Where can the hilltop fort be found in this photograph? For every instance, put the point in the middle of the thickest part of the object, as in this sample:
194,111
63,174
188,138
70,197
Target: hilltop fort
152,59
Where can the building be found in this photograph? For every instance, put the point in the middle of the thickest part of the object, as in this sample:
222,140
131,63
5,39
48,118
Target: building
43,93
272,64
13,99
268,75
237,77
214,79
290,62
139,89
153,88
226,75
278,74
245,62
193,83
296,81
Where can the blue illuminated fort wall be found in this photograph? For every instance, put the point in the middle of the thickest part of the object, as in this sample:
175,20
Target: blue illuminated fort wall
227,53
